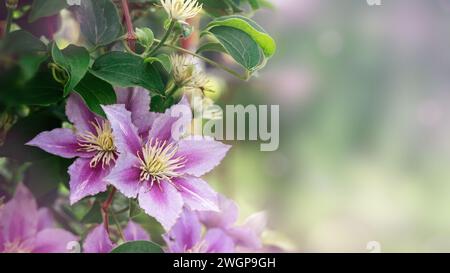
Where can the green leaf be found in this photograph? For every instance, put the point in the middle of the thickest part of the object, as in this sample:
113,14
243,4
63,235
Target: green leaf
254,4
44,8
21,42
220,7
99,21
96,92
217,47
94,215
240,46
256,32
135,209
127,70
44,176
30,64
40,90
163,60
75,61
138,247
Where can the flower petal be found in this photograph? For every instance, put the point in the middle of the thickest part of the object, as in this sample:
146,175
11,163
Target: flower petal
185,234
134,232
245,237
162,201
19,216
218,242
125,176
79,114
178,114
45,219
60,142
53,240
197,194
257,222
202,155
137,101
225,218
126,135
86,181
98,241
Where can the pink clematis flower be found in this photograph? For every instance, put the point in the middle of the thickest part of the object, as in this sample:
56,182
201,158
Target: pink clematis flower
186,237
98,241
25,229
159,170
246,236
91,143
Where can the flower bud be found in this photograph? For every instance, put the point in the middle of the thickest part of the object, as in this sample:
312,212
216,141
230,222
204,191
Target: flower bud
145,36
11,4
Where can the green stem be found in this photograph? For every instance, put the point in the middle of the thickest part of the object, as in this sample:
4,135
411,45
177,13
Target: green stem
9,17
170,92
119,229
209,61
164,39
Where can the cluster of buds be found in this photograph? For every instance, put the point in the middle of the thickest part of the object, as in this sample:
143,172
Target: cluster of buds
186,75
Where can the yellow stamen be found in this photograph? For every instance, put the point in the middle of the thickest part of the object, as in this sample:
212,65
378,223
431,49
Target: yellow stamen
157,162
101,143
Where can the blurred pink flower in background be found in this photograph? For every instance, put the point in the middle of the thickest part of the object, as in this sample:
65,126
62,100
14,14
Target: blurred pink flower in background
26,229
98,241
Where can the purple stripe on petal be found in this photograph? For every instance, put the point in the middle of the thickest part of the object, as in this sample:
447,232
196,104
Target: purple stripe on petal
125,133
162,128
53,240
218,242
179,115
201,155
185,234
79,114
125,175
98,241
86,181
162,201
134,232
197,194
60,142
19,218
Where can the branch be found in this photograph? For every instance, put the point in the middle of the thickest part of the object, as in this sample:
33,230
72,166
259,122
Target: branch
131,36
105,208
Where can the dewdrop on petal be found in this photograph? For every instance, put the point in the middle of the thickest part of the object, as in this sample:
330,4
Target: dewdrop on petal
181,10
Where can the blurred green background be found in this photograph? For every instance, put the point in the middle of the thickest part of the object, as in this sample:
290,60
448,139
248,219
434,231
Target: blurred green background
364,143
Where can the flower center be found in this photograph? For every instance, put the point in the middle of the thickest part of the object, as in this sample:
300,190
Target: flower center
16,247
200,247
158,162
101,143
